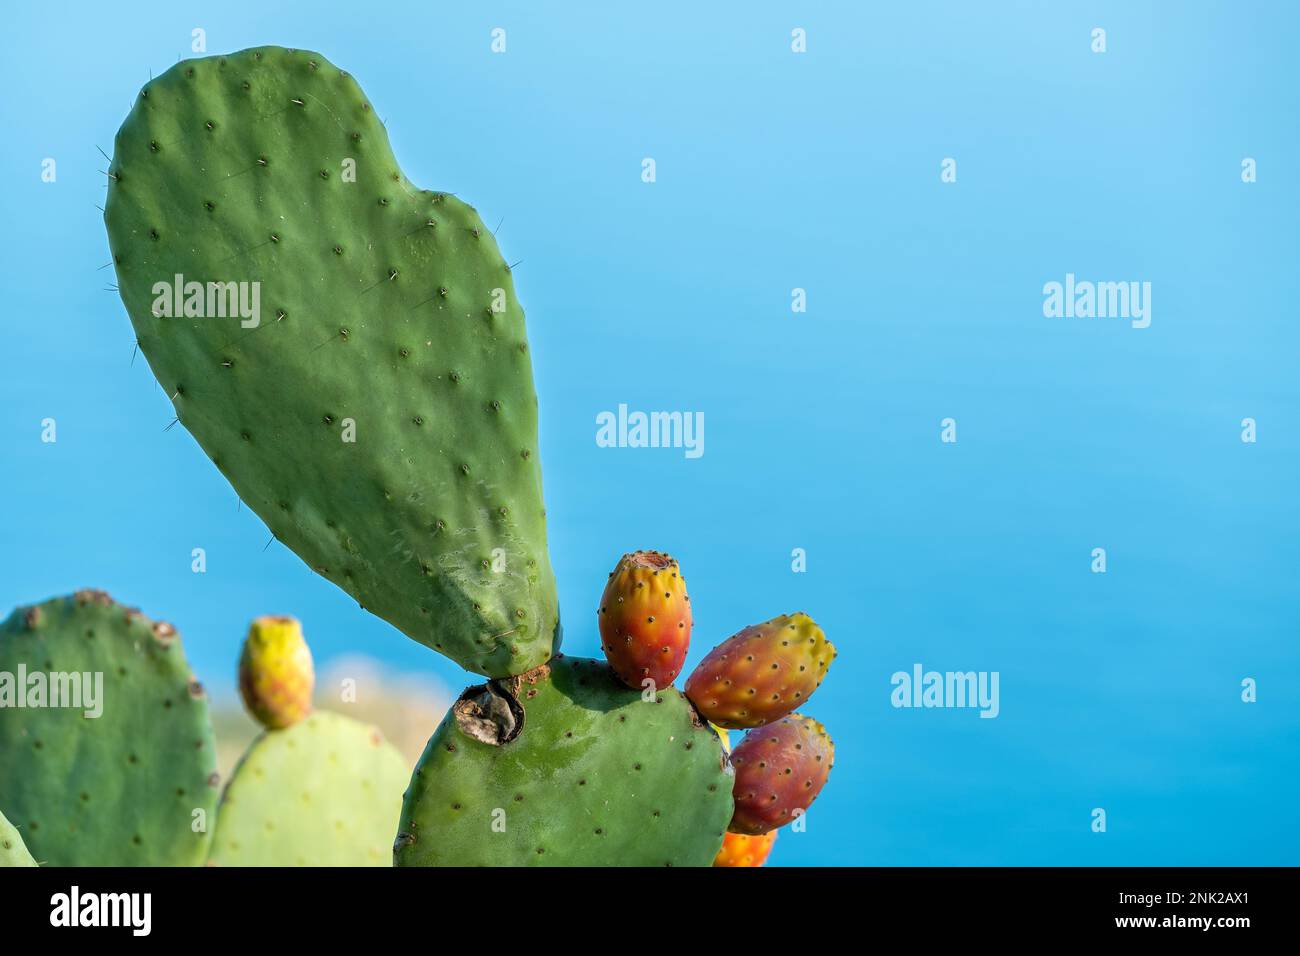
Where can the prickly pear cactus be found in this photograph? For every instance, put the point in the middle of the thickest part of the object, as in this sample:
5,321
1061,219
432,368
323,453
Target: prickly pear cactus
371,395
567,766
13,852
325,792
135,785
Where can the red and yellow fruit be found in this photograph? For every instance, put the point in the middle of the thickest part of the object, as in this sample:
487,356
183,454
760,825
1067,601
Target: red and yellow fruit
780,769
645,619
762,673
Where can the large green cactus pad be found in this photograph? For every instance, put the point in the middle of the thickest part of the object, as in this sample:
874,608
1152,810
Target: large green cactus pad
325,792
13,852
565,766
380,417
135,786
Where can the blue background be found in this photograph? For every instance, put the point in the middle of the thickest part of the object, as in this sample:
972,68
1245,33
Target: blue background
777,171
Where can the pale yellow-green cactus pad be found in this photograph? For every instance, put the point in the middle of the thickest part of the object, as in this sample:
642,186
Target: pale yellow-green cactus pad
13,852
325,792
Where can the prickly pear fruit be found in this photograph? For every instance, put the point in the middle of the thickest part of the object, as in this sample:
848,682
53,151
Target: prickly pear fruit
645,619
762,673
13,852
564,766
275,672
740,849
780,769
346,347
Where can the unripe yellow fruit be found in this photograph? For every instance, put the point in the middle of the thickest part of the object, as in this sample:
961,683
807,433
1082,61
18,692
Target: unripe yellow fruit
276,676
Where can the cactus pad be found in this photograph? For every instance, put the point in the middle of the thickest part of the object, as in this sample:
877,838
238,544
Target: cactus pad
325,792
380,414
566,766
127,788
13,852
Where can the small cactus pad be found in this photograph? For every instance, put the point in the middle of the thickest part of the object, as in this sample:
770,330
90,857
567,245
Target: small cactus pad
275,672
13,852
780,769
134,786
376,409
739,849
645,619
325,792
564,766
762,673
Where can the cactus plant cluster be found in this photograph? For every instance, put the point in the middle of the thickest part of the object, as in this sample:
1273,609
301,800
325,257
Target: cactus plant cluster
753,680
580,762
349,351
315,789
131,781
